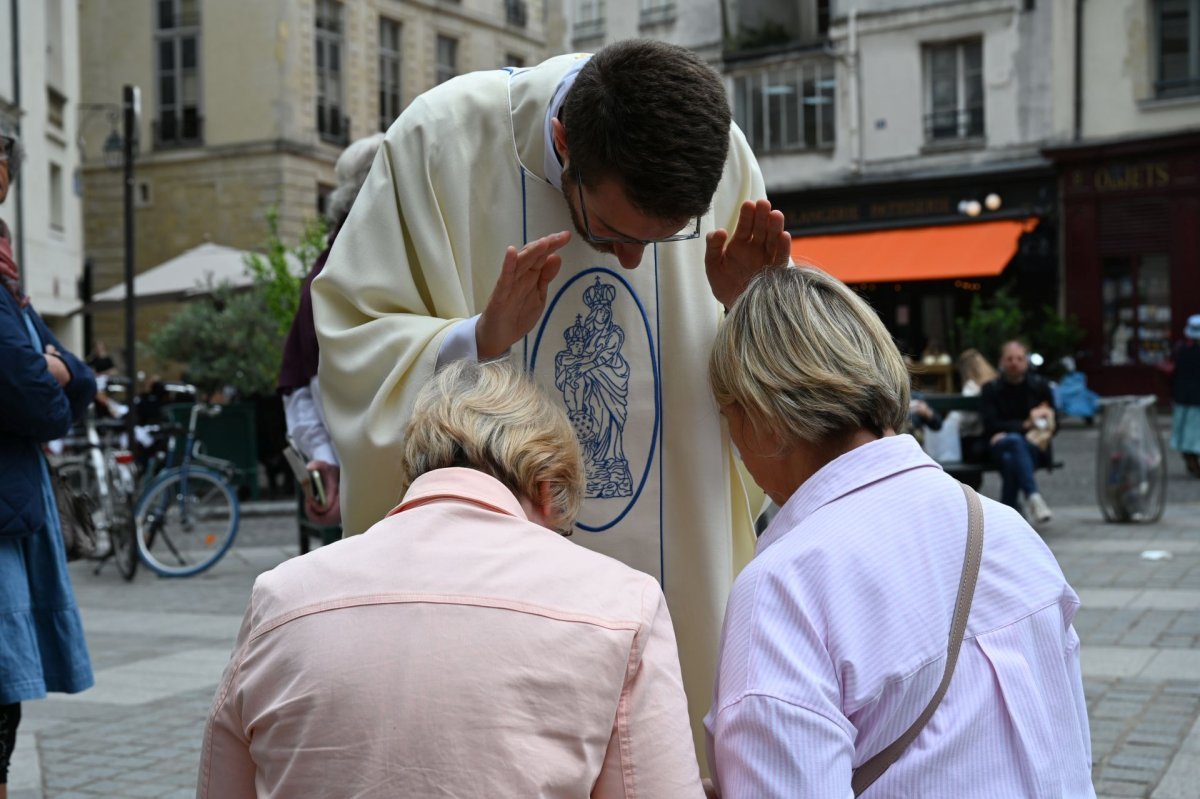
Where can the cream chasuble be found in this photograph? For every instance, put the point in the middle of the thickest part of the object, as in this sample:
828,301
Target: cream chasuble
459,178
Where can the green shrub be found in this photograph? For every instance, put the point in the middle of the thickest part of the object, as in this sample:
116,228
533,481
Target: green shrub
235,337
991,322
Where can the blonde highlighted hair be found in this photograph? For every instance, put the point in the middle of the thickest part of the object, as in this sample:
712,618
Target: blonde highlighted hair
494,419
974,367
808,360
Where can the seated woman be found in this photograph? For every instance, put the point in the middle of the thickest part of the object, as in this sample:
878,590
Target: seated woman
836,633
461,647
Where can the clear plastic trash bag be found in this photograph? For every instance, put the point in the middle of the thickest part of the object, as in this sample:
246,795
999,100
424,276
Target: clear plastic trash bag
1131,472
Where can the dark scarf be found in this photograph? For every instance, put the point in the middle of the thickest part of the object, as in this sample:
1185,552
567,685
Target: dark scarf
9,274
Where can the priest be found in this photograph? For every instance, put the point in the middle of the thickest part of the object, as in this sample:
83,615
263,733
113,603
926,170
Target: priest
590,217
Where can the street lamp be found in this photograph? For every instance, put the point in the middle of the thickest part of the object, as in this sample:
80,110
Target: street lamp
114,150
974,208
119,149
131,101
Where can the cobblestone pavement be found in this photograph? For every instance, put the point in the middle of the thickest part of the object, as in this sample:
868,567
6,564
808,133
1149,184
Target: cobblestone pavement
159,647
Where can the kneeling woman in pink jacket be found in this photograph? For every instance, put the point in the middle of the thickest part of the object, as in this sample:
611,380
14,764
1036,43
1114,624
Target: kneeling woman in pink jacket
461,647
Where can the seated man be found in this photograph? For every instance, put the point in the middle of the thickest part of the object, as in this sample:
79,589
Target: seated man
1012,405
459,647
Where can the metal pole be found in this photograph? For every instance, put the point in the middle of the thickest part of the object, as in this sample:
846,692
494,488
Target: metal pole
19,189
130,308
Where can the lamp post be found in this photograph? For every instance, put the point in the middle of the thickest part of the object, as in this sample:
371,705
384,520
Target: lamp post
119,151
131,100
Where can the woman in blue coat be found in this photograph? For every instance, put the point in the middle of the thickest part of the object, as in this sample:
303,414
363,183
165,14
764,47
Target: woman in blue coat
42,388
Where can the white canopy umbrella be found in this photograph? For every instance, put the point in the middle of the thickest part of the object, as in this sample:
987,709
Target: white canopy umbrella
190,274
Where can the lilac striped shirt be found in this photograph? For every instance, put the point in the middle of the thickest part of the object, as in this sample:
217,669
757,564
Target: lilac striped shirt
835,640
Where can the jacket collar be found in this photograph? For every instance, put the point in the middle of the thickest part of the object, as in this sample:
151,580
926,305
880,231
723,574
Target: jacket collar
845,474
462,485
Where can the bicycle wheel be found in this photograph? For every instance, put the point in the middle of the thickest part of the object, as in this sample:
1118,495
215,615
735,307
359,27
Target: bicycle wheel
124,545
185,522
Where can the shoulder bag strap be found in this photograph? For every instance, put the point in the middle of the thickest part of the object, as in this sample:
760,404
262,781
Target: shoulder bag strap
866,774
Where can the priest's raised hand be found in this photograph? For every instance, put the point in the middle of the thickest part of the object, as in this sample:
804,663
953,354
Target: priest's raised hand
759,242
519,297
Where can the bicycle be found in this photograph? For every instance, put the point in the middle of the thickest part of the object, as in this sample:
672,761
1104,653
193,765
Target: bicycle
187,515
105,475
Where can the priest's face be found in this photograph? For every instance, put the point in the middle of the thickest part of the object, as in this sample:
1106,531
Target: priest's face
609,223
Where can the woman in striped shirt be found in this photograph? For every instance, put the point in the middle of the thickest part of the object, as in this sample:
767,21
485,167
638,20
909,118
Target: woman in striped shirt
835,635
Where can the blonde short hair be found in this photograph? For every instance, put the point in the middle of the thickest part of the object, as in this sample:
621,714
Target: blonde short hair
807,360
494,419
974,367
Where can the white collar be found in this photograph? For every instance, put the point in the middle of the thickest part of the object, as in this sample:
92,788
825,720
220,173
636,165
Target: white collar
552,165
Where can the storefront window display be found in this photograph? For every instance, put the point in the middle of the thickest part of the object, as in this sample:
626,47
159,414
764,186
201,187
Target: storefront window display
1137,310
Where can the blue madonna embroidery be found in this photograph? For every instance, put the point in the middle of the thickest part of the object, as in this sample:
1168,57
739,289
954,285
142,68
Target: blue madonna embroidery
593,377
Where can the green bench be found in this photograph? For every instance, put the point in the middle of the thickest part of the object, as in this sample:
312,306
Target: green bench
968,472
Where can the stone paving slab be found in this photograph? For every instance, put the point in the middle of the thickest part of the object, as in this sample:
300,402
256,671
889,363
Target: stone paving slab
1182,780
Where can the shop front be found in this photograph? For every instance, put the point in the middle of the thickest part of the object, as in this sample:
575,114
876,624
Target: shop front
920,250
1131,252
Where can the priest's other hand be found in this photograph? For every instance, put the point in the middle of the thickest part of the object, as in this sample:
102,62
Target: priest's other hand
758,243
519,298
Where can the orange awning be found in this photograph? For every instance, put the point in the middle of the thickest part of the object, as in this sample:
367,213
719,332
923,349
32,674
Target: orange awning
973,249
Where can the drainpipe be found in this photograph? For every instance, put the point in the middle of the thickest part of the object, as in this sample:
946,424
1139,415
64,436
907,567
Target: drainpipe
856,131
1078,69
20,191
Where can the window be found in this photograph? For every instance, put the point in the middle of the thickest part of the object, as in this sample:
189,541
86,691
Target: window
332,126
516,13
656,12
787,108
1137,310
1178,27
56,107
514,60
954,91
389,72
447,59
56,197
589,19
177,42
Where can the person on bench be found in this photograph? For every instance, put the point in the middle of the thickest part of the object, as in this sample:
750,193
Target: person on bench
1012,405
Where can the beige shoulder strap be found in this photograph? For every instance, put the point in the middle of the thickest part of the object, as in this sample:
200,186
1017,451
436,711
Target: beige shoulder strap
866,774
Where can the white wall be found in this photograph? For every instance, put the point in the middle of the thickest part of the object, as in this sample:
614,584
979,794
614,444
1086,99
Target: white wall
1118,75
696,25
53,255
1019,90
1016,113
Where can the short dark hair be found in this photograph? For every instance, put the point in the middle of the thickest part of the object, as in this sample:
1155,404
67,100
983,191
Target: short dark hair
655,118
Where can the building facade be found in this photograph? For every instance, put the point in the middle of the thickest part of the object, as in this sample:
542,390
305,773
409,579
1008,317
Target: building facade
40,90
1130,186
890,116
246,106
932,188
695,24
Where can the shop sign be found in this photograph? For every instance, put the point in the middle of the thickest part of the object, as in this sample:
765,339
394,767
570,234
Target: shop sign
1116,178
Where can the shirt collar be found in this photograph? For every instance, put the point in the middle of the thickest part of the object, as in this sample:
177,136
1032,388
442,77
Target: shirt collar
846,473
465,485
552,165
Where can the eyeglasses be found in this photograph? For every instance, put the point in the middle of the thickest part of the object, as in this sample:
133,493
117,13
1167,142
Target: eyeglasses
691,232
